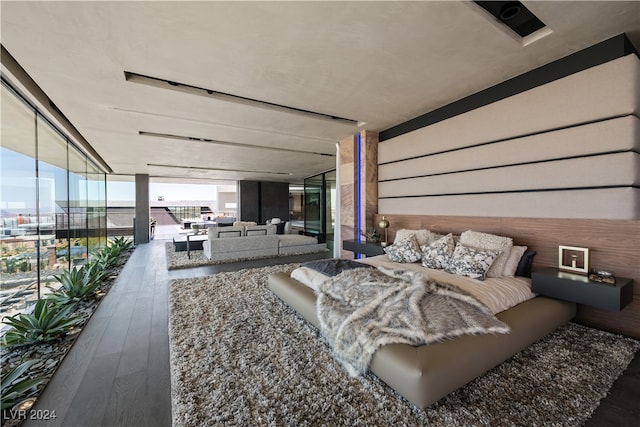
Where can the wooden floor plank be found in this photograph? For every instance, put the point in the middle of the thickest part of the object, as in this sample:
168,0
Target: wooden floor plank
127,404
90,400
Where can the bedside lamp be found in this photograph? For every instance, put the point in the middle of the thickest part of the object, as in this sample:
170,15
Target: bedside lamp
384,224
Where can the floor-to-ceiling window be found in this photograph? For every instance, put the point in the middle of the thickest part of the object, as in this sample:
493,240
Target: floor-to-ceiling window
313,206
121,205
96,209
18,243
330,205
52,203
320,206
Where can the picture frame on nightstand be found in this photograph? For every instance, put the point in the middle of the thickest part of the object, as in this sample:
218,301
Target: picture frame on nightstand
573,259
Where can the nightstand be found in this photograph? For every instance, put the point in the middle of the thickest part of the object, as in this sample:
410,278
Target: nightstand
554,283
364,248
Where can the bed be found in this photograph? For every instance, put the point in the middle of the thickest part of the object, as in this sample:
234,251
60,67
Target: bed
424,374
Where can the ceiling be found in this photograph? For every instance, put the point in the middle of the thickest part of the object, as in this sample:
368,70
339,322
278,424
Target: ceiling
375,63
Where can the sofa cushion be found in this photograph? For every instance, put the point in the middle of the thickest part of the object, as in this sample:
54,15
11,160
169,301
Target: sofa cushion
289,240
244,223
245,244
225,232
259,230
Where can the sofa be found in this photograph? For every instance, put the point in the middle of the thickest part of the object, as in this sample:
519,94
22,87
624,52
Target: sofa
293,244
255,241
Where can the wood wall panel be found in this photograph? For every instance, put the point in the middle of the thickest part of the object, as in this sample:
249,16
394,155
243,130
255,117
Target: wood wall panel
613,245
369,177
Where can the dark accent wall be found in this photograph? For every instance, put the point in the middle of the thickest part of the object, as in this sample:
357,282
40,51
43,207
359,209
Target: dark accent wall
263,200
600,53
249,196
274,200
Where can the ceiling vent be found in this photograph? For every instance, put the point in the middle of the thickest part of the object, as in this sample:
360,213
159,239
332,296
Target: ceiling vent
514,15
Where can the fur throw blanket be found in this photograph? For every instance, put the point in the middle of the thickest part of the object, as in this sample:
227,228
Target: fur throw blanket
361,310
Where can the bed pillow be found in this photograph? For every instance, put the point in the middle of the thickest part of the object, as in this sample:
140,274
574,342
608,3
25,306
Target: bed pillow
524,266
437,254
406,250
471,262
423,237
490,242
511,265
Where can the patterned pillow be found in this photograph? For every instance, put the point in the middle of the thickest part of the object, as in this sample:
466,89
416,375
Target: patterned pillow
437,254
471,262
404,251
490,242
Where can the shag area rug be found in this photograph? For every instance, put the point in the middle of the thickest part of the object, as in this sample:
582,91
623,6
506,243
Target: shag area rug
240,356
177,260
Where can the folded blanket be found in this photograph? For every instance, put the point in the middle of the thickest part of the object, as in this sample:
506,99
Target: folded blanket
361,310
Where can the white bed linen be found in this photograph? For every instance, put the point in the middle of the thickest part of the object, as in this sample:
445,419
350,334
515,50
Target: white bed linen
497,293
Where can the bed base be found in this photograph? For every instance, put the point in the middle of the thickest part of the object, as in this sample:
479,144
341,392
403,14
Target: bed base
425,374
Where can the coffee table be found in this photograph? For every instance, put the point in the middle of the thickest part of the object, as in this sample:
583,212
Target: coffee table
189,242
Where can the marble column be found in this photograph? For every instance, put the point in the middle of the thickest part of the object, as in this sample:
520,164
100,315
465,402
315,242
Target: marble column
347,192
368,179
358,176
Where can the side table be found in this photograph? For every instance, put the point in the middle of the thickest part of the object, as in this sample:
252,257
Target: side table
364,248
555,283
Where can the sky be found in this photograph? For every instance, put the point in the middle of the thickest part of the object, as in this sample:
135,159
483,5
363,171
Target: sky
117,190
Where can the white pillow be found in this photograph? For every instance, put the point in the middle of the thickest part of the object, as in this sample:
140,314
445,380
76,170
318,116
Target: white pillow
423,237
511,265
491,242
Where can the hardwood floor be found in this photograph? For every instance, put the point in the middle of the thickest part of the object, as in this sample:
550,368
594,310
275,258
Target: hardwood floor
621,407
117,373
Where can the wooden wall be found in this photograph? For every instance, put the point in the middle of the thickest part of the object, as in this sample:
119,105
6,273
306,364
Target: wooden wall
614,245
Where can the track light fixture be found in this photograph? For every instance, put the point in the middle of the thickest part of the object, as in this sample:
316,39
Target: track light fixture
230,144
216,169
227,97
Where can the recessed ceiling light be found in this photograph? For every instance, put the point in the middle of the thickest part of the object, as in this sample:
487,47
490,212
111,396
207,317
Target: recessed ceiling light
225,125
230,144
514,15
216,169
227,97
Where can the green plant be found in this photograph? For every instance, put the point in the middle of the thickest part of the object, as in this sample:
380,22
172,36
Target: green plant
24,265
45,323
122,243
78,284
15,384
106,257
11,265
371,235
